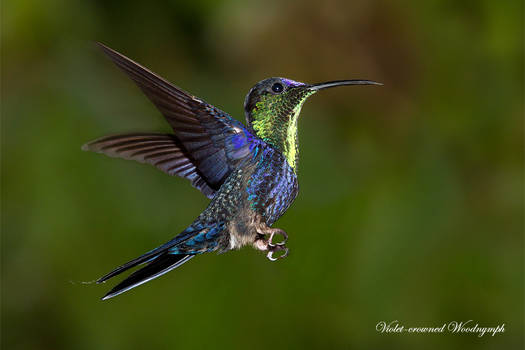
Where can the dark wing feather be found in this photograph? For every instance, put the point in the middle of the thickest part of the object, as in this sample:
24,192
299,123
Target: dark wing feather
213,141
160,150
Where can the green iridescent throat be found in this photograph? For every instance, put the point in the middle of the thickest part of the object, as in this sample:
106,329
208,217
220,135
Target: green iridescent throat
275,122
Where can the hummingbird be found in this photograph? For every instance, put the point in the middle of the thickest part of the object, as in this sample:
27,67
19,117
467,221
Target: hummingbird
249,172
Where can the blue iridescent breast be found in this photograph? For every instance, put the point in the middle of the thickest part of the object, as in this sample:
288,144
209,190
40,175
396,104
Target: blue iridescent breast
273,185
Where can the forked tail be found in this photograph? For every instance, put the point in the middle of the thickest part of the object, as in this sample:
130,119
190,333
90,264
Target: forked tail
158,266
160,260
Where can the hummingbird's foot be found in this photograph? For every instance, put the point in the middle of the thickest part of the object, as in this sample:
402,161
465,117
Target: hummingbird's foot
273,235
279,249
268,240
276,248
275,232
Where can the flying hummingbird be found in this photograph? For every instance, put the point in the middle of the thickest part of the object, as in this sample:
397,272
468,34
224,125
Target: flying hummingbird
248,172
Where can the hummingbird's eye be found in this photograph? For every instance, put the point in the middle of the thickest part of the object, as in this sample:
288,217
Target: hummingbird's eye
277,88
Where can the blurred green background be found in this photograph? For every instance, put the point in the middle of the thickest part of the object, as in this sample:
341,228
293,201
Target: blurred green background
411,202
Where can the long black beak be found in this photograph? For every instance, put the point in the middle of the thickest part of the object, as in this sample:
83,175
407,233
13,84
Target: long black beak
335,83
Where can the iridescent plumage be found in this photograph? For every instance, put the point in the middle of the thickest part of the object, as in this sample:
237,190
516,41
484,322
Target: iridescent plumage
248,172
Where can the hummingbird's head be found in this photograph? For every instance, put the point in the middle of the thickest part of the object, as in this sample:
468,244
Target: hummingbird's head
273,105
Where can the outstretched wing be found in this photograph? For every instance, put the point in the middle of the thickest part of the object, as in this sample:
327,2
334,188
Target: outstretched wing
212,141
163,151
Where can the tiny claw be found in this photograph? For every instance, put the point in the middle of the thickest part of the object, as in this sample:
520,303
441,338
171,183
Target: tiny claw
275,249
275,233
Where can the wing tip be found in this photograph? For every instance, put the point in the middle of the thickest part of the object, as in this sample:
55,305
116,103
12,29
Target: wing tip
103,46
116,56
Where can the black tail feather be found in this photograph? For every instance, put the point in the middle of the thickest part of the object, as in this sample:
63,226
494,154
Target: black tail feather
152,254
140,260
159,266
